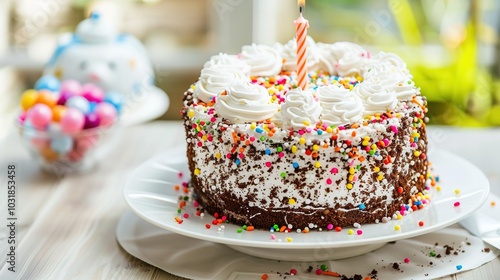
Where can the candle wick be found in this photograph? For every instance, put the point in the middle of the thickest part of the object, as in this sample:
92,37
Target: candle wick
300,9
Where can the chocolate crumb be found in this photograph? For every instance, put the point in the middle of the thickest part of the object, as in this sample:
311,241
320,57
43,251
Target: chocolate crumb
309,269
448,249
354,277
486,250
395,266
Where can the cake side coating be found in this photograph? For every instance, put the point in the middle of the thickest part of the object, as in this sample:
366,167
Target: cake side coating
349,151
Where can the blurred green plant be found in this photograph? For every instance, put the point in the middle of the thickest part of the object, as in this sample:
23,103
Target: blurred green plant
443,61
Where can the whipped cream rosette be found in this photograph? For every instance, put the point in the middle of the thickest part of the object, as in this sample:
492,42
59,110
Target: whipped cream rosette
389,70
215,79
375,98
245,102
229,60
263,60
340,105
300,109
347,58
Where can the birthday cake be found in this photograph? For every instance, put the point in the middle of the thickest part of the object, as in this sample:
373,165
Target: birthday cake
349,149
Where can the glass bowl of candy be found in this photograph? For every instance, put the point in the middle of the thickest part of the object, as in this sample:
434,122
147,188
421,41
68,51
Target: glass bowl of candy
66,126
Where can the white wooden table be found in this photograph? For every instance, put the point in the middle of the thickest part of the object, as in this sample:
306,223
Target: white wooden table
66,226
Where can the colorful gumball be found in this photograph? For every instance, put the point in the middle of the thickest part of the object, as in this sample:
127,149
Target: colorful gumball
22,118
57,112
48,154
28,99
63,98
92,106
71,87
78,102
48,82
114,99
107,113
40,142
61,144
72,121
40,116
91,120
46,97
92,93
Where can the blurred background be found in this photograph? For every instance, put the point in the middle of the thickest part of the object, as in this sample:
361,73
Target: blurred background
450,46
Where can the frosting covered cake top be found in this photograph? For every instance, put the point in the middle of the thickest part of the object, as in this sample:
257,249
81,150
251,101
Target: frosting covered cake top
347,85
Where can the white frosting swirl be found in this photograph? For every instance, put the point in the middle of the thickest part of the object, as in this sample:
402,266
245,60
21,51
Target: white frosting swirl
263,60
392,77
328,95
347,58
340,106
316,57
229,60
245,102
376,98
215,79
300,109
405,90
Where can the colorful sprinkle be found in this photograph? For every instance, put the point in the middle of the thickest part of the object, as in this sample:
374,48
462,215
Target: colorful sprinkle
331,273
350,232
397,227
293,271
459,267
362,206
406,260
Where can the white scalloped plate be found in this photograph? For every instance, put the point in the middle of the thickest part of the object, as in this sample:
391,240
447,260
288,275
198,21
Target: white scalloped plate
150,193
